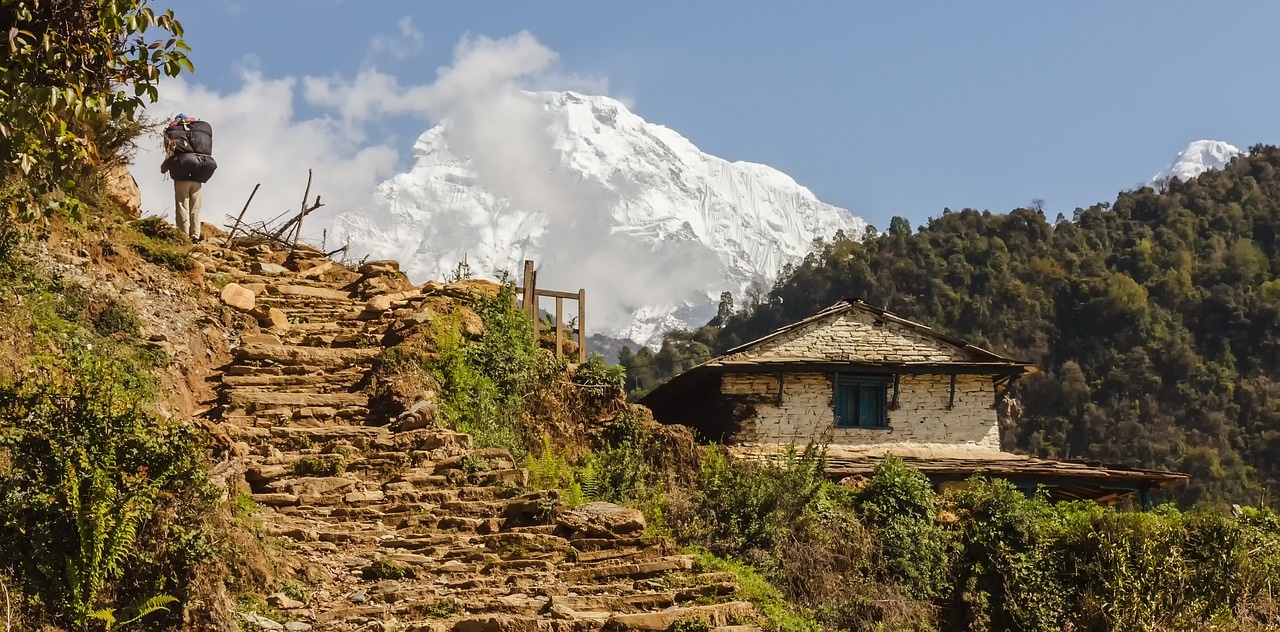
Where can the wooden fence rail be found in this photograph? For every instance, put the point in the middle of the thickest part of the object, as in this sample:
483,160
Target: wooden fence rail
529,295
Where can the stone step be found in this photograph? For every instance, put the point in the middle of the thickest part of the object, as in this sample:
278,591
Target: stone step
424,439
731,613
358,435
305,417
403,491
474,508
340,381
289,278
628,553
314,357
638,570
645,600
362,326
342,339
319,291
254,398
337,373
305,313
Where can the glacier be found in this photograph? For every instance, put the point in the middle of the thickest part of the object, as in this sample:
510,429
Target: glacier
653,228
1199,157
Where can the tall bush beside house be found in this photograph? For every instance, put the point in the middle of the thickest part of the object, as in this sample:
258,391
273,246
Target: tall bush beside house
1010,570
899,505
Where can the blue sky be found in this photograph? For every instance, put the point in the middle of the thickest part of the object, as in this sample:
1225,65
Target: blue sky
886,108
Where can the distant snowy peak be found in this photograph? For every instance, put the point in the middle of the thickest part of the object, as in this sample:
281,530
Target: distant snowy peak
653,228
1199,157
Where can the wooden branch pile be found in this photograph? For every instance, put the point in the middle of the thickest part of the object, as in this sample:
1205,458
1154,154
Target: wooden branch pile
283,229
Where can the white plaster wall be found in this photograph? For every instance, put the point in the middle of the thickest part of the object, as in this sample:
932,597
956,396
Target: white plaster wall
806,411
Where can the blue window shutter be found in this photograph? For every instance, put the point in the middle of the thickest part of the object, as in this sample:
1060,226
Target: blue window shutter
869,396
843,400
859,401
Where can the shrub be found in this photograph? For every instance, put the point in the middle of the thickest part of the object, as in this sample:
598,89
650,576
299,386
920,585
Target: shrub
899,505
388,569
601,383
117,318
164,255
1011,569
748,508
482,383
158,229
551,470
89,473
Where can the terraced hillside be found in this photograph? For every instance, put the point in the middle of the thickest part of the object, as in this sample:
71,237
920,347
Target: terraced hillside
403,527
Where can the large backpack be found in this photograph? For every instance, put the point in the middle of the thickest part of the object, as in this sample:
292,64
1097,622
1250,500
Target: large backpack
192,143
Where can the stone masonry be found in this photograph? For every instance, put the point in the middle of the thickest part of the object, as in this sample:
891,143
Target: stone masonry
806,412
854,336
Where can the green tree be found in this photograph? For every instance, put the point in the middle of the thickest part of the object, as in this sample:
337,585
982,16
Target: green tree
72,69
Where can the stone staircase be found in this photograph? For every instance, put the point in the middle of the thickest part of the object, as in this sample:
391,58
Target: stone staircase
416,530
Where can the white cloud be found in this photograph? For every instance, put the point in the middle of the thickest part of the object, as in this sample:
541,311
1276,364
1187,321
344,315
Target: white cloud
406,42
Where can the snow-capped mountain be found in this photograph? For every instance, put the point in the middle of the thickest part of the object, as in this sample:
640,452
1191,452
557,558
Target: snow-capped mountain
652,227
1199,157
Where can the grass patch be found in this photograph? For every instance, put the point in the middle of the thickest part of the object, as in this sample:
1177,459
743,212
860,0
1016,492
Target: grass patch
159,243
443,609
779,615
387,569
319,466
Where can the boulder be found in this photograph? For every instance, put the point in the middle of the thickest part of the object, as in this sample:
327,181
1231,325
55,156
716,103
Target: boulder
374,286
422,414
238,297
284,602
274,319
372,268
378,304
473,287
600,520
259,622
314,272
269,269
531,509
122,188
472,324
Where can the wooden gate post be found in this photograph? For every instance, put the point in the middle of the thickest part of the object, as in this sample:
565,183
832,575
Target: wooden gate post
582,325
528,288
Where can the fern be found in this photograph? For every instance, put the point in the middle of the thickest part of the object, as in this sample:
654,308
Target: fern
591,480
150,606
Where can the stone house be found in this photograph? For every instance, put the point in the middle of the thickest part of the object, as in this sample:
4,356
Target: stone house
866,382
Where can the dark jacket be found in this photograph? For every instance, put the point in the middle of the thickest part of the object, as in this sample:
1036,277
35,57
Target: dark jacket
191,146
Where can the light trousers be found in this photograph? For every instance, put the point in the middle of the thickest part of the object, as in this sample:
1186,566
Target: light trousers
186,204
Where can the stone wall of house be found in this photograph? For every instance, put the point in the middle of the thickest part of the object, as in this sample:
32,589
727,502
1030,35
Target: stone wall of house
854,336
804,412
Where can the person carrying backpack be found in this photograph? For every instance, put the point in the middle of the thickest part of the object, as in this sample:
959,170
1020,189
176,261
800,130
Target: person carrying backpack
188,144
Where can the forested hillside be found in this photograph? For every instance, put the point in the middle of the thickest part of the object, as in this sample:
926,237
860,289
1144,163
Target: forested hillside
1155,319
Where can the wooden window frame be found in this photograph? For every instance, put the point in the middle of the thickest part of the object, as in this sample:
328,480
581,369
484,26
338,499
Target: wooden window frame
845,385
